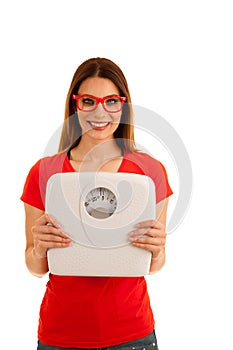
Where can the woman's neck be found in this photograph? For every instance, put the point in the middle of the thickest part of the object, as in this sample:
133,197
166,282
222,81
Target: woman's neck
96,150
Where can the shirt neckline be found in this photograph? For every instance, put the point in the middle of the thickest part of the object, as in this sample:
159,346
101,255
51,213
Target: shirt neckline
73,170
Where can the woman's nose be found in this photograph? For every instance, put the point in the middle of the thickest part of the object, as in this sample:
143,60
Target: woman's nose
100,111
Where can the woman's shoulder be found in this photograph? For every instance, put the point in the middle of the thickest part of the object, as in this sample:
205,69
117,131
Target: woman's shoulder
53,159
155,170
48,165
148,164
142,158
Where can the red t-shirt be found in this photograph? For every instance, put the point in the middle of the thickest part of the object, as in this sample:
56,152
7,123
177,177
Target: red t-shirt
93,312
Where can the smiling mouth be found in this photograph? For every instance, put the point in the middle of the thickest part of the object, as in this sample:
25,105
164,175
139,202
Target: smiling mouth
98,125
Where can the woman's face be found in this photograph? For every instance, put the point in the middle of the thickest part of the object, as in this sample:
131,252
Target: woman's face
99,123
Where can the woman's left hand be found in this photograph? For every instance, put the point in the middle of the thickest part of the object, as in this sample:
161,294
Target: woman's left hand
150,235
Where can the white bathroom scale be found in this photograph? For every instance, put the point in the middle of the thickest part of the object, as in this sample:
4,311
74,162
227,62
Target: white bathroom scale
98,211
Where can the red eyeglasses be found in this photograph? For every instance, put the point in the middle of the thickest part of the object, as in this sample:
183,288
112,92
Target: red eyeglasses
88,103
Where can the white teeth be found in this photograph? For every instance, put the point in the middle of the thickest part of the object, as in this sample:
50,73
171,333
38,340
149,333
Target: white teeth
98,125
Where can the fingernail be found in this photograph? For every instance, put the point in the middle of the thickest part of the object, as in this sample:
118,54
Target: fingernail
65,234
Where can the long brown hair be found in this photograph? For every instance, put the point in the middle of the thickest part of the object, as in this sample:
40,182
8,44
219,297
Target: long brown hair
103,68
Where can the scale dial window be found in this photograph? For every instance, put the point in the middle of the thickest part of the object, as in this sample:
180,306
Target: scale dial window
100,203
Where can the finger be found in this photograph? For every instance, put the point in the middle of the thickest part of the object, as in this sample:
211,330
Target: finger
147,231
47,245
155,233
49,229
150,224
50,238
151,241
150,247
53,221
48,219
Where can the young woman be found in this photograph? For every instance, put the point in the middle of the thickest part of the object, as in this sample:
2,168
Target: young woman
97,135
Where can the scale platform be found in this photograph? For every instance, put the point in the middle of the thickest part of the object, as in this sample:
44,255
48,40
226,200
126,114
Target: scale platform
98,211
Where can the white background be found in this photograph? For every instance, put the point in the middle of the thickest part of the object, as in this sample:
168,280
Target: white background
177,57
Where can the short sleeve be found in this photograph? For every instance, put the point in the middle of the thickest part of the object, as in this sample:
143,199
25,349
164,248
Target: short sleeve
33,191
158,174
35,185
142,163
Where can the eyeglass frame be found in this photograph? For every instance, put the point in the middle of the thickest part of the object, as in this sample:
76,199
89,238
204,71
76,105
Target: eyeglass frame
98,100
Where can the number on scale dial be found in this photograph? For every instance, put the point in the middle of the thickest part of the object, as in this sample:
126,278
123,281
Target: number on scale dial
100,203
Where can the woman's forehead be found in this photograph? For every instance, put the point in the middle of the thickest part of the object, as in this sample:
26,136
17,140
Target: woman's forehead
98,86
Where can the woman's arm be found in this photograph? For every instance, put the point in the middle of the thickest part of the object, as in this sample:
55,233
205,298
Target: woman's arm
155,236
42,233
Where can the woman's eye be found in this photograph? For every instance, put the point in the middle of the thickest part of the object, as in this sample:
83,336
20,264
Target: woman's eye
112,101
88,101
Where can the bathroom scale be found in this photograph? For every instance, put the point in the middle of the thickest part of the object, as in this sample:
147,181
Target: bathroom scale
98,211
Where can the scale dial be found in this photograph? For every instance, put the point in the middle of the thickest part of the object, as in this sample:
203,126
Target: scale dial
100,203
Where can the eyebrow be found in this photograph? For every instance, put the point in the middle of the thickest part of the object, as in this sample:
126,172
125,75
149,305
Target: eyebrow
98,96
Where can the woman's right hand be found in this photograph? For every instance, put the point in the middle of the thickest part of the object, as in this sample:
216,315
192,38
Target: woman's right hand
47,233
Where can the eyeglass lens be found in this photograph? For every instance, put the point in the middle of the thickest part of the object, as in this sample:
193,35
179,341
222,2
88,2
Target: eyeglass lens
111,104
